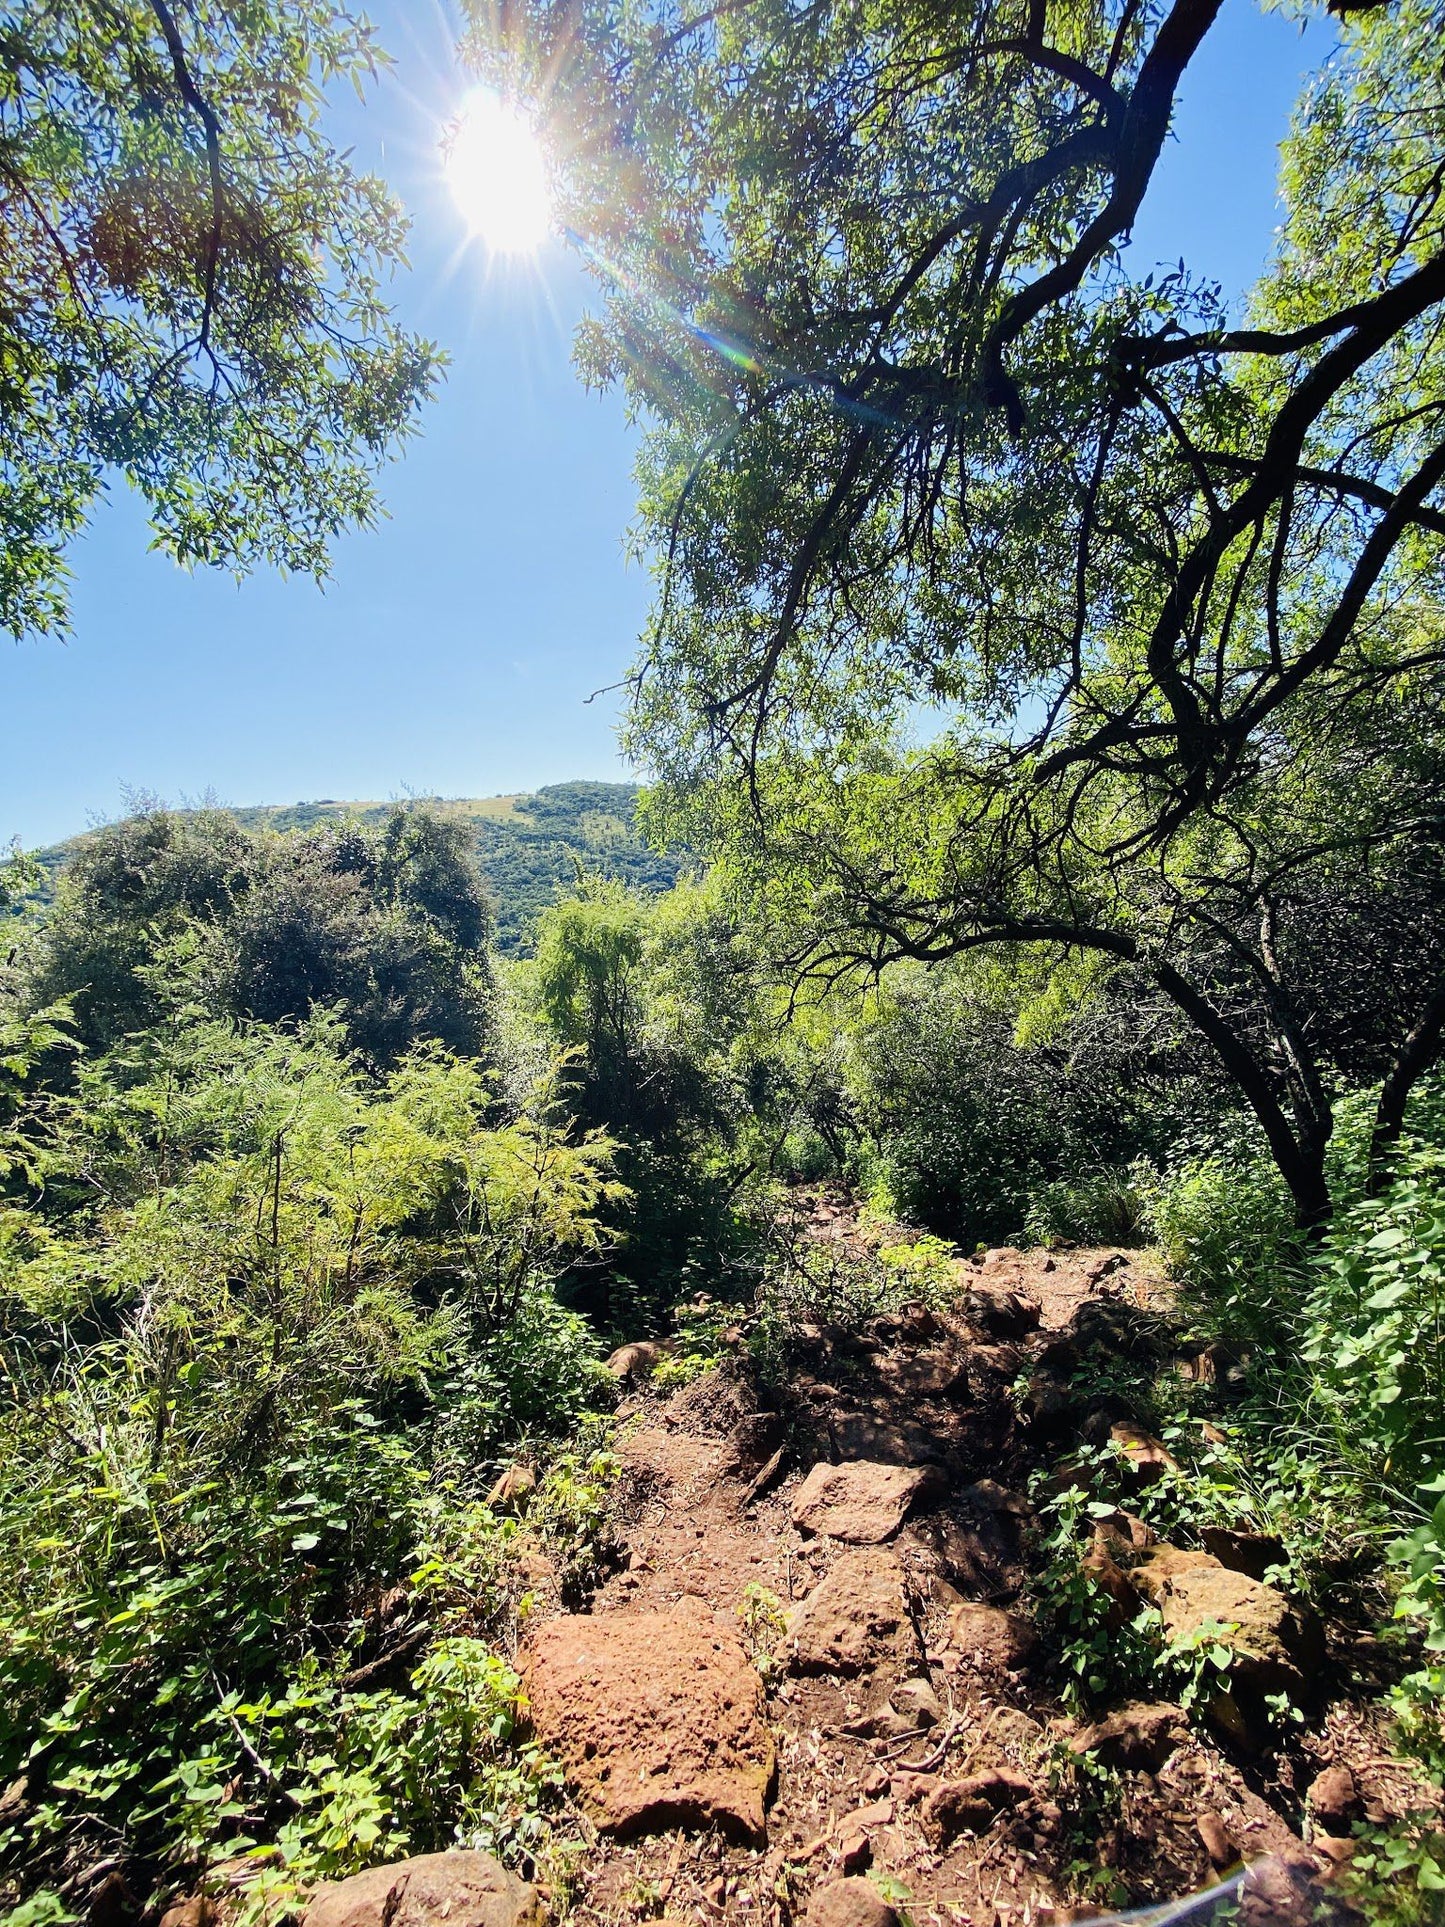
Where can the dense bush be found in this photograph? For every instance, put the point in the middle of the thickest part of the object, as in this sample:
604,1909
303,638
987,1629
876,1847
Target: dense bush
660,1005
392,923
989,1103
266,1325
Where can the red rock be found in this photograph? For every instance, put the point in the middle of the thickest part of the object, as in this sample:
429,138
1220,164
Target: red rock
850,1903
464,1889
1218,1841
855,1619
516,1484
989,1632
1101,1567
989,1496
197,1910
1139,1737
1334,1800
862,1501
855,1853
657,1719
1277,1645
1002,1314
1148,1458
971,1805
629,1363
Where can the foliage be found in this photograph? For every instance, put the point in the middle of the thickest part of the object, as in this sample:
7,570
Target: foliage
980,1114
662,1008
393,922
265,1321
924,451
1375,1322
194,278
529,848
1095,1207
1224,1226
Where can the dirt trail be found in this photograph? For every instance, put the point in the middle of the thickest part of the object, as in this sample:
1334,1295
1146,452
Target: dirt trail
922,1743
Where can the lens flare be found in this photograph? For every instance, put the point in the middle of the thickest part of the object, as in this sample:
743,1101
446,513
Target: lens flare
498,177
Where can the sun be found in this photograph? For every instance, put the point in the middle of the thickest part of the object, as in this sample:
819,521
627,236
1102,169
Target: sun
497,175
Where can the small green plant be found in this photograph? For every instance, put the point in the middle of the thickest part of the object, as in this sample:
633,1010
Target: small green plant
699,1324
1397,1874
763,1623
924,1268
1200,1661
1098,1656
1090,1797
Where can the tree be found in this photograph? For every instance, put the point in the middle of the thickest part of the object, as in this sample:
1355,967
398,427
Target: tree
394,925
192,287
1167,588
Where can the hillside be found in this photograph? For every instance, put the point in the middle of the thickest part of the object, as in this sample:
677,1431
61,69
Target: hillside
530,846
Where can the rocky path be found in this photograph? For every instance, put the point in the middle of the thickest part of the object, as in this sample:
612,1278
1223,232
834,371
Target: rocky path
811,1665
809,1687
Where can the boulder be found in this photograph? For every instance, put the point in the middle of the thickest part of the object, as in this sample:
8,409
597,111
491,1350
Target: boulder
865,1435
1277,1646
931,1374
631,1363
989,1496
1049,1405
988,1632
1139,1738
971,1805
917,1704
1148,1458
999,1361
1102,1565
1109,1326
854,1902
1334,1801
1002,1314
854,1620
862,1501
513,1489
463,1889
196,1910
656,1718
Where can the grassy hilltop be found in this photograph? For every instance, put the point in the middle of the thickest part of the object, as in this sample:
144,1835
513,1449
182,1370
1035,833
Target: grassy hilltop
529,846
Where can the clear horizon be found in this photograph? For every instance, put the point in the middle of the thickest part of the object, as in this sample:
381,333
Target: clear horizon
454,650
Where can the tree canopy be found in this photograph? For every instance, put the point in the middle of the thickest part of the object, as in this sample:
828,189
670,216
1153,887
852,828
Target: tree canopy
193,287
1156,588
393,923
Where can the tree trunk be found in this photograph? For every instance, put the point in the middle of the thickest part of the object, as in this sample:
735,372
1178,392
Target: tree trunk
1419,1052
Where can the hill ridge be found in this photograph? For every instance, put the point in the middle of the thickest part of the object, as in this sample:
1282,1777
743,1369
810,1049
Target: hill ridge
526,841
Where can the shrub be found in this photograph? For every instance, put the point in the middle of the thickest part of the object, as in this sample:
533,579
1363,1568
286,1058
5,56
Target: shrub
1374,1324
255,1307
1225,1228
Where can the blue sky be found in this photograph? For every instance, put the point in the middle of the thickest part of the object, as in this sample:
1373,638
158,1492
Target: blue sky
454,647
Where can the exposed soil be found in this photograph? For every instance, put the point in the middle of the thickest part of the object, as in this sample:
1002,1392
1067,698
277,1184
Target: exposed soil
926,1745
